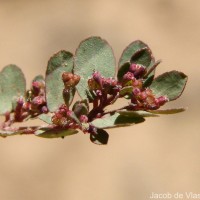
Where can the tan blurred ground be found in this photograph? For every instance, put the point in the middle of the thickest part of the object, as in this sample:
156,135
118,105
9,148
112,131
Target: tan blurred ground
160,155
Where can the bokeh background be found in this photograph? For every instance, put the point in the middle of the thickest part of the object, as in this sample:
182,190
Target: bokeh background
160,155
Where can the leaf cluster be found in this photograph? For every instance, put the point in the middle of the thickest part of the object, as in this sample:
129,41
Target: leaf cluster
92,73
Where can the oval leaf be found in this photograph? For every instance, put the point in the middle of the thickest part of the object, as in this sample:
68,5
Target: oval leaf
142,56
167,111
148,81
12,86
38,78
68,95
54,133
126,91
46,118
131,50
80,108
93,54
170,84
137,113
123,70
58,63
100,137
116,120
62,59
151,69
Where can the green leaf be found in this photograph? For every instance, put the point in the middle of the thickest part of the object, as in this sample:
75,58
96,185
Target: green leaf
68,95
123,70
168,111
58,63
12,86
91,95
142,56
63,59
116,120
80,108
126,90
137,52
137,113
93,54
151,69
148,81
73,116
170,84
131,50
46,118
54,133
38,78
100,137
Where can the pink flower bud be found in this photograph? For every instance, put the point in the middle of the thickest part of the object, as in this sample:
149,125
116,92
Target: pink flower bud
109,82
38,100
150,100
149,92
162,100
57,118
98,93
70,80
76,79
128,76
26,106
97,78
44,109
93,84
66,76
20,101
136,91
137,70
99,115
63,110
83,119
69,113
137,83
143,95
36,85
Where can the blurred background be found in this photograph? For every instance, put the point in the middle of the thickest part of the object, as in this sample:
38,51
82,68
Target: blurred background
160,155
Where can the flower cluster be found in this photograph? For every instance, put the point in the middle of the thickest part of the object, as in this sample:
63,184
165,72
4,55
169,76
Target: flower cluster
142,98
62,117
101,85
52,99
34,104
70,80
66,118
